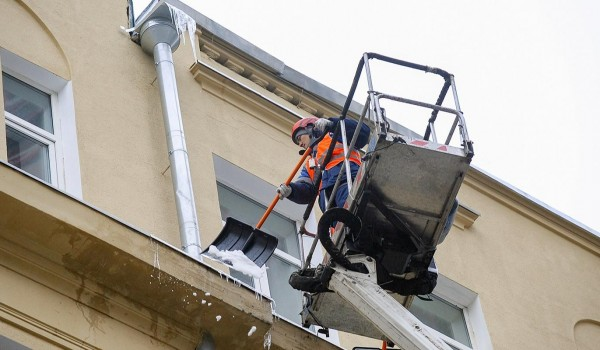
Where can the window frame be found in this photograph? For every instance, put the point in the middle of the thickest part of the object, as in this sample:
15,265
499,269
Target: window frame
468,301
50,142
263,281
260,191
64,159
47,138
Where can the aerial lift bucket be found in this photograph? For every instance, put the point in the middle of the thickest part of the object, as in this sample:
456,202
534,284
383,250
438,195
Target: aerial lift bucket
257,245
397,212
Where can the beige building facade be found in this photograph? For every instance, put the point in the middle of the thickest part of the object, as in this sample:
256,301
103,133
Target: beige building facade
90,250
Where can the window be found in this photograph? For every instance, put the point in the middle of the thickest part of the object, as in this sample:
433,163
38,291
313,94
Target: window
243,196
40,124
455,315
285,260
442,316
29,131
8,344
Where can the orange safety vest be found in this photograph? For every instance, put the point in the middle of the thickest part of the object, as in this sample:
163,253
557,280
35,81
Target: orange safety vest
336,157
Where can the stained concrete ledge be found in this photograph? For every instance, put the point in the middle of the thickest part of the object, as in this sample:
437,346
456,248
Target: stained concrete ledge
126,275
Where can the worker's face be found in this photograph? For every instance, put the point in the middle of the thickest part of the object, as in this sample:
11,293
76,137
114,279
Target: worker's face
304,141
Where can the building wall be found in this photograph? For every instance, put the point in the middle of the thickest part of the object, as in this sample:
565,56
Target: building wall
119,125
123,152
43,318
534,271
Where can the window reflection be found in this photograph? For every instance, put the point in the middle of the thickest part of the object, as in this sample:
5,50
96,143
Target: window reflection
28,154
443,317
28,103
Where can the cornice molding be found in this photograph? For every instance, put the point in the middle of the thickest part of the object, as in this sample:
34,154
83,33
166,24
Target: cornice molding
237,90
42,329
269,81
465,217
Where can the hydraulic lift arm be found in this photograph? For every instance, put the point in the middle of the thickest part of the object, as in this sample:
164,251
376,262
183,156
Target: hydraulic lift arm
385,313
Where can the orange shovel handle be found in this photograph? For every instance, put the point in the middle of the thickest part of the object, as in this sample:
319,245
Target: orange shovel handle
287,182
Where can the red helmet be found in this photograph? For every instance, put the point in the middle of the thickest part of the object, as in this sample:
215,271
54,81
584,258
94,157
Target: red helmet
301,125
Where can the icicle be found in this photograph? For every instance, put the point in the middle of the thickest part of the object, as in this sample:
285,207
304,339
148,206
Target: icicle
184,23
267,340
156,264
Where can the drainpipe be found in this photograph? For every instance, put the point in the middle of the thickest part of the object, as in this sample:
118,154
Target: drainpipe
159,38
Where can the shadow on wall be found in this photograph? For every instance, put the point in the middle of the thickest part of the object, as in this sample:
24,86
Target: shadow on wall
587,334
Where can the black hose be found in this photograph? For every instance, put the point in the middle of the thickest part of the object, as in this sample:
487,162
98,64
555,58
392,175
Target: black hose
350,220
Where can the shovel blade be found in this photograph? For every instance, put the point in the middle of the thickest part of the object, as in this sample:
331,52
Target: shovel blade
257,245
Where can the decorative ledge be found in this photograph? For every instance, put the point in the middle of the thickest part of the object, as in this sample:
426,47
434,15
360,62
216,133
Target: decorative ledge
265,80
465,217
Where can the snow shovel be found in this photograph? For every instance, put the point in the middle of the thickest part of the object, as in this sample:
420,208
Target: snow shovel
257,245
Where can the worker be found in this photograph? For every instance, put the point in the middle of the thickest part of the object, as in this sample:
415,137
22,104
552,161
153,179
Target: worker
304,133
303,190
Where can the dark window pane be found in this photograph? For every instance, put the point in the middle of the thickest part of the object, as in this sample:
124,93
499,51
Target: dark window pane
443,317
27,103
288,301
8,344
241,208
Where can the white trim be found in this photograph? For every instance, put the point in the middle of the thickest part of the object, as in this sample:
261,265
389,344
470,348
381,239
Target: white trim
481,339
43,140
69,152
37,131
31,73
466,299
66,154
288,258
